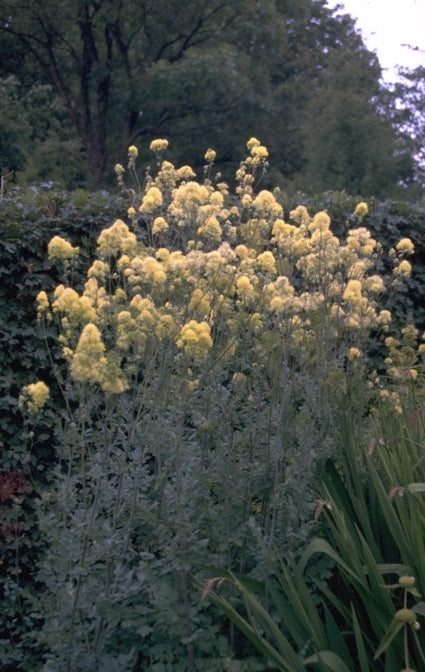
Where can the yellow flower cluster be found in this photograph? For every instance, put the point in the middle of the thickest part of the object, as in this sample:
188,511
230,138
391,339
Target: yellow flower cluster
195,339
117,238
159,225
59,248
78,308
158,145
90,365
152,200
257,151
34,396
43,305
361,210
212,276
210,155
404,354
404,269
405,246
89,357
266,205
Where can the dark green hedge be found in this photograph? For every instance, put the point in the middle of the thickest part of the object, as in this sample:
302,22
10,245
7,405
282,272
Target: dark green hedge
28,220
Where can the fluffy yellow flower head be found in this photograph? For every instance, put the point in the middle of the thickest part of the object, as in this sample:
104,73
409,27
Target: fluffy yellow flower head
361,240
374,284
151,200
185,173
187,198
359,268
321,222
405,246
242,251
245,288
361,210
59,248
246,200
98,269
404,269
266,262
89,360
259,152
153,271
34,396
353,292
195,339
199,302
78,308
42,302
253,142
117,238
300,215
384,317
210,155
158,145
210,229
217,200
266,204
159,225
190,194
133,152
96,295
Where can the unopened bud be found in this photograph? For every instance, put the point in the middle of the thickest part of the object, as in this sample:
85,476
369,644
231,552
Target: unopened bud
406,581
405,616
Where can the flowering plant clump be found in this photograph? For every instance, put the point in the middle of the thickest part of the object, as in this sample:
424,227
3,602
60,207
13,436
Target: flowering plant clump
206,350
236,263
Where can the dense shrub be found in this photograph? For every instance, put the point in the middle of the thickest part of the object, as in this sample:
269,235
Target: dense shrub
204,353
28,219
192,393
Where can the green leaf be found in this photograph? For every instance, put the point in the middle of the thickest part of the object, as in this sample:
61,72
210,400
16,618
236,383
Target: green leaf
289,662
388,637
419,608
394,568
330,659
416,487
322,546
360,645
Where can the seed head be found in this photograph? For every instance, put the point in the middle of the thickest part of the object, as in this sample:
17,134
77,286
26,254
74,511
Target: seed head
405,616
406,581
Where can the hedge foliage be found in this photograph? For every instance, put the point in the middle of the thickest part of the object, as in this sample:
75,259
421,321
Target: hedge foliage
28,219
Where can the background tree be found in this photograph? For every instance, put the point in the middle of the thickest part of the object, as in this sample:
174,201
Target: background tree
410,107
208,73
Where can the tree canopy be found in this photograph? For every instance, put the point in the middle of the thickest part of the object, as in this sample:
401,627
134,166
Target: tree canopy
203,73
410,108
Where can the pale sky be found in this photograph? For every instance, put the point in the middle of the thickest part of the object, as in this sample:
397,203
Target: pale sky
387,25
